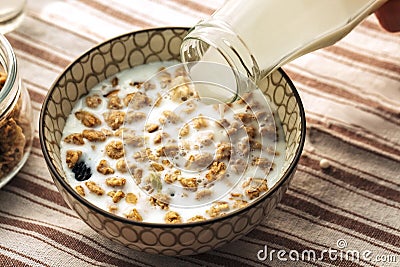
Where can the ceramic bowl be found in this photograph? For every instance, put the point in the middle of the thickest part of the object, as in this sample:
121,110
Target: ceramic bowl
136,48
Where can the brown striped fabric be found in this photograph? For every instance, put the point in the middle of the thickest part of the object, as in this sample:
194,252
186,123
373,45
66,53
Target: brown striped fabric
351,94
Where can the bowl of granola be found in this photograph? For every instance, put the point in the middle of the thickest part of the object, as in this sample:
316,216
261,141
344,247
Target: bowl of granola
133,150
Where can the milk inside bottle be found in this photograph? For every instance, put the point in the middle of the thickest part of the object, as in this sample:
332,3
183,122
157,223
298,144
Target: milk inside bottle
255,37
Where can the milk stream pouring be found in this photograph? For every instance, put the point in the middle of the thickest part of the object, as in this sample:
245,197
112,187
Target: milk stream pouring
252,38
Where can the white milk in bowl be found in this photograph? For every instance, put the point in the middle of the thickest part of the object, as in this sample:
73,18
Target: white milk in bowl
152,150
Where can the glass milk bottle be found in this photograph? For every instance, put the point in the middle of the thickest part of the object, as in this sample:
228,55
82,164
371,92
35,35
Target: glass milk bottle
255,37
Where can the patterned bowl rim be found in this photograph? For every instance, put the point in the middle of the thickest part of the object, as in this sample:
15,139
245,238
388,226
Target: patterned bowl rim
121,219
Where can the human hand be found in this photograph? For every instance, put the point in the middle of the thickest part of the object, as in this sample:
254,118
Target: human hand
389,15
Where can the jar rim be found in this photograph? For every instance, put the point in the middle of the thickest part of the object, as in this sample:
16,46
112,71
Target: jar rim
10,67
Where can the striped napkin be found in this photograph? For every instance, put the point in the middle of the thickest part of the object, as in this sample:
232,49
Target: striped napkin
344,197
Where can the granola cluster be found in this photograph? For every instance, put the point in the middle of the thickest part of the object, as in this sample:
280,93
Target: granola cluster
145,149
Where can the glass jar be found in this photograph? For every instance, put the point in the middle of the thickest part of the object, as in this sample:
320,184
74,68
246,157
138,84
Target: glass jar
255,37
16,126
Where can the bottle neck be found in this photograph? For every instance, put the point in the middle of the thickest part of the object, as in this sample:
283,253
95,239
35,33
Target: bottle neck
214,41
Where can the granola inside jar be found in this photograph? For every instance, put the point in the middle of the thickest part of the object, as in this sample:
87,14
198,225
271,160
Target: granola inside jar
16,128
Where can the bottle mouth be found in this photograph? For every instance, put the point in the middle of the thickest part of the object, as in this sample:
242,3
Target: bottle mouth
8,65
214,41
